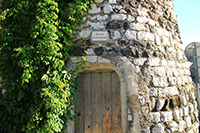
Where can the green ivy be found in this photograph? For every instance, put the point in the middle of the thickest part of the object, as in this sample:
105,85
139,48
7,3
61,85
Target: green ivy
36,36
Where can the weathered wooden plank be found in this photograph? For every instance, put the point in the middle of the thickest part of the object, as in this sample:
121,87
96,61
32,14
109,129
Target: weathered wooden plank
87,103
116,104
96,103
106,105
79,106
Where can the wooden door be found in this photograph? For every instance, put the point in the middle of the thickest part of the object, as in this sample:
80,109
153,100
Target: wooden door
98,103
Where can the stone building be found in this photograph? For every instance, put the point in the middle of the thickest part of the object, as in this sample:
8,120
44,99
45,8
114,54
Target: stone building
136,78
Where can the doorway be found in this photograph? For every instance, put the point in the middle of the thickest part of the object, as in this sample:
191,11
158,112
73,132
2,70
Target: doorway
98,103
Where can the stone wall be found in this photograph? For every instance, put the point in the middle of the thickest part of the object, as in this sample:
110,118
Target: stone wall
146,33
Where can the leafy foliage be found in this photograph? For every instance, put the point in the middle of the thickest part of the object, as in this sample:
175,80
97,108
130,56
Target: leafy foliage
36,37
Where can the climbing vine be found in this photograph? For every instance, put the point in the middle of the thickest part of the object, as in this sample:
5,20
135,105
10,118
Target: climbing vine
36,36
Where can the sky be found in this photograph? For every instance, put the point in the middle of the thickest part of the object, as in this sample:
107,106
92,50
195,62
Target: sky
188,17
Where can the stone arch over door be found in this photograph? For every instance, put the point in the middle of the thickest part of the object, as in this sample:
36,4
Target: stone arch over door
125,70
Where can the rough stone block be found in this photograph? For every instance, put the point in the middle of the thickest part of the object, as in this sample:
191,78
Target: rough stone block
90,51
171,91
112,1
120,17
153,91
130,18
182,126
146,130
107,8
142,35
100,18
98,25
158,128
142,100
158,40
154,61
160,104
188,121
91,59
190,130
95,9
166,116
137,26
130,34
117,35
103,60
139,61
185,111
191,107
84,33
142,19
176,115
184,100
160,31
98,1
130,117
160,82
173,126
160,71
165,41
172,80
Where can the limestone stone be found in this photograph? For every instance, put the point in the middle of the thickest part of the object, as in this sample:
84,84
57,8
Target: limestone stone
171,91
173,126
184,100
103,60
122,11
158,40
165,41
185,111
137,26
100,18
98,1
130,117
166,116
130,34
119,17
154,61
142,100
130,18
98,25
84,33
191,107
164,63
117,35
95,9
107,8
182,126
160,31
112,1
91,59
160,104
190,130
142,35
90,51
93,18
146,130
188,121
158,128
142,19
160,82
160,71
139,61
153,91
172,80
176,115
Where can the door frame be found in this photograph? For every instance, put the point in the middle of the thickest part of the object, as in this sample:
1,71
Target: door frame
124,110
